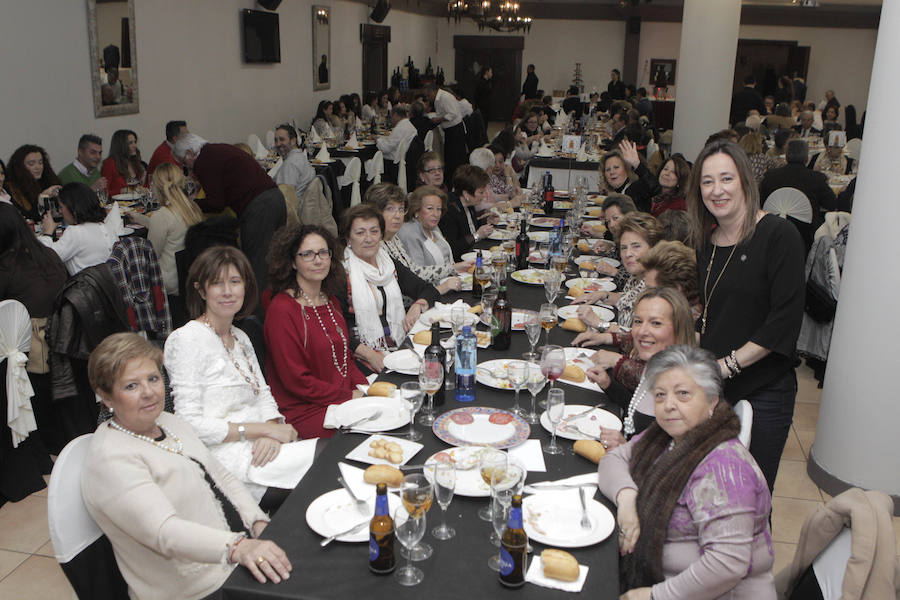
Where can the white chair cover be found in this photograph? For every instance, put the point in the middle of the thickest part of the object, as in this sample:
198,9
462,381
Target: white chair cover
429,141
351,177
744,412
375,167
789,202
72,529
401,163
853,148
259,151
270,139
15,341
652,148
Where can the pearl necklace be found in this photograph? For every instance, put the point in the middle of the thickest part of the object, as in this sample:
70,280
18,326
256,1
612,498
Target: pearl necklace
253,383
342,368
628,424
178,449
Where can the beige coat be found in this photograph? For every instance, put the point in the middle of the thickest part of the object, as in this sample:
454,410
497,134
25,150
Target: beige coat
873,572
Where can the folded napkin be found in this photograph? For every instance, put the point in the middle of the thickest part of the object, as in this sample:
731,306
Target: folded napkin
323,155
274,170
260,151
544,150
354,478
336,415
313,137
405,359
113,220
529,455
582,154
587,478
353,142
535,575
288,468
448,307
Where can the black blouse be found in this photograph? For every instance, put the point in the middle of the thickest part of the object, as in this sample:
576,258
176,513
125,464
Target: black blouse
759,298
643,189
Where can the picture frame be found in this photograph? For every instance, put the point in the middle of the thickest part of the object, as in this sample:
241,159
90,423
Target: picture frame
113,57
667,65
321,47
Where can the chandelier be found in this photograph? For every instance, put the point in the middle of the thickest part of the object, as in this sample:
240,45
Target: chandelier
502,16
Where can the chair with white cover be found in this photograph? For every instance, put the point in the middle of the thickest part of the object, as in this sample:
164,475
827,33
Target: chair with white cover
652,148
351,177
375,167
853,148
401,163
83,552
270,139
15,341
744,412
789,202
429,140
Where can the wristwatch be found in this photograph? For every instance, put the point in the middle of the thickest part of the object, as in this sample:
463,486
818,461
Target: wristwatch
242,431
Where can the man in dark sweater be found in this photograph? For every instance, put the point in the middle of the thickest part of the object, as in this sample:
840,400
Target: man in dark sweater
572,103
745,100
233,179
530,87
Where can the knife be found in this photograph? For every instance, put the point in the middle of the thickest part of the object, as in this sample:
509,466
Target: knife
331,538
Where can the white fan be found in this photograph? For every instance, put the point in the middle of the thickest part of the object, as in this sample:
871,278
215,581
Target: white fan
789,202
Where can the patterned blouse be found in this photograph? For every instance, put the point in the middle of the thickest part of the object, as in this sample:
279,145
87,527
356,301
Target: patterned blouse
625,305
433,274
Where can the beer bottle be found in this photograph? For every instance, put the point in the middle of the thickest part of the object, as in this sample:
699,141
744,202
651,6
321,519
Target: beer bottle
381,535
523,247
513,547
435,348
501,321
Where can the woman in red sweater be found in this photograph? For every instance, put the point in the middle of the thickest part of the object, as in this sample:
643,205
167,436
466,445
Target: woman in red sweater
673,178
123,166
308,361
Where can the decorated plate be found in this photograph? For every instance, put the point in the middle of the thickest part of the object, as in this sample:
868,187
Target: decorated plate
481,426
592,285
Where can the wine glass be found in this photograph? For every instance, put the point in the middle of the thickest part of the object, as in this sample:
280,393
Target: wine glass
553,363
444,485
549,318
536,382
553,278
533,331
501,500
543,249
409,530
491,460
431,376
457,319
487,307
412,395
517,373
556,406
417,494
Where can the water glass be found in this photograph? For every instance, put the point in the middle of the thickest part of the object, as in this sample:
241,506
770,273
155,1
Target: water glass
409,530
431,376
444,477
417,494
553,363
556,407
457,319
491,460
501,500
412,395
533,331
536,382
517,373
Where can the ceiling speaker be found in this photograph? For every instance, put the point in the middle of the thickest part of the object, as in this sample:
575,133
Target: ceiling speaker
269,4
382,8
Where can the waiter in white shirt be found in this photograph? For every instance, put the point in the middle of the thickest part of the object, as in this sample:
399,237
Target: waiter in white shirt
402,132
449,118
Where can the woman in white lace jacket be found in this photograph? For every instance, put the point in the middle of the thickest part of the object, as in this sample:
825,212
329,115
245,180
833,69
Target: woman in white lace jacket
217,385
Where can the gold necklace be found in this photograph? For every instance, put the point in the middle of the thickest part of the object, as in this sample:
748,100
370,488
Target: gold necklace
707,295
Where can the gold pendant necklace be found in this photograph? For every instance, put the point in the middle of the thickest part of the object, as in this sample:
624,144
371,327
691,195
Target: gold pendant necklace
707,295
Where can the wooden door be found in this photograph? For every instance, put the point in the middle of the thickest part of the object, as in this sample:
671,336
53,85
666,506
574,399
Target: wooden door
504,56
767,60
375,40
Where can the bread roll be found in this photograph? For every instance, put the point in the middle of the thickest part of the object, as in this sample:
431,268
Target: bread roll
423,337
590,449
381,388
476,310
576,325
559,564
387,474
573,373
576,290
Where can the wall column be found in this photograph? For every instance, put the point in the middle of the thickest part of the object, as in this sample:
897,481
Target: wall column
857,443
705,71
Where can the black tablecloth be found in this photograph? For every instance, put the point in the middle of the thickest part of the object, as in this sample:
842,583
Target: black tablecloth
458,567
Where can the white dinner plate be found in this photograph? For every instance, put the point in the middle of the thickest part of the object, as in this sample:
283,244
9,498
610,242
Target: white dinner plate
361,452
549,222
335,511
554,519
492,373
404,361
529,276
593,258
130,197
571,312
582,427
592,285
322,162
469,482
503,234
485,256
573,355
393,413
539,236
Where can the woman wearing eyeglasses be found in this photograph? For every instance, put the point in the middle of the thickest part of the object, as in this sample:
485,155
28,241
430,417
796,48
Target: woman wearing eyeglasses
308,360
430,170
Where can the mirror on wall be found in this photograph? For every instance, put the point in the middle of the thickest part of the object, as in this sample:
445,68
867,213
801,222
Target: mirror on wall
321,42
113,51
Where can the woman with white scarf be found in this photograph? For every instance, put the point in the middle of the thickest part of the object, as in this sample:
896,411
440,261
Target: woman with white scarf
373,306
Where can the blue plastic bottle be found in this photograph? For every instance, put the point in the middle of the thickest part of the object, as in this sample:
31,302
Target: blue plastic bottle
466,360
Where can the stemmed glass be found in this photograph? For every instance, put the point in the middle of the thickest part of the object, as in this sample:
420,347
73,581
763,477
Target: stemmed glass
431,376
417,494
517,373
552,281
533,331
444,485
549,318
556,406
536,382
543,249
553,363
409,529
457,319
491,460
412,395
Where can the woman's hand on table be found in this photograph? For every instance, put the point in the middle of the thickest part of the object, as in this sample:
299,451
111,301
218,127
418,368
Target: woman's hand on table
605,358
412,315
611,438
463,266
451,284
484,231
590,297
630,153
374,358
265,449
587,315
264,559
599,376
627,517
636,594
607,269
591,338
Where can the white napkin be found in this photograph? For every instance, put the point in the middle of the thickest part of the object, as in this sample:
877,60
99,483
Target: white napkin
337,416
529,455
288,468
274,170
113,220
323,155
544,150
574,480
354,478
405,359
535,575
582,154
260,151
365,388
353,142
448,307
313,137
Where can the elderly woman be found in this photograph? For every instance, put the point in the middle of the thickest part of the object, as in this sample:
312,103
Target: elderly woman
638,232
217,385
89,238
833,161
751,268
504,184
178,521
372,300
529,134
123,167
459,223
430,170
624,173
693,507
308,358
30,176
391,201
322,121
673,180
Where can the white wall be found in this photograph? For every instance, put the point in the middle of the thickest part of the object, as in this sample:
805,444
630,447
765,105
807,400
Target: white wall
658,40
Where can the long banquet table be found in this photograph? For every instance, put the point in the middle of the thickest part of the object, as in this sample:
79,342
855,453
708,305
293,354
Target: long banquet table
458,567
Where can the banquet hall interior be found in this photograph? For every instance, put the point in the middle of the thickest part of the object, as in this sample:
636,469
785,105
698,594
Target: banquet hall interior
191,61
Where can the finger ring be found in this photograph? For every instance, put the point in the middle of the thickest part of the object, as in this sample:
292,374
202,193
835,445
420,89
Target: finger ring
605,444
260,560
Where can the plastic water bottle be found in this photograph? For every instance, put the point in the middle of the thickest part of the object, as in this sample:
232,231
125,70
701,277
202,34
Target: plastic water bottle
466,360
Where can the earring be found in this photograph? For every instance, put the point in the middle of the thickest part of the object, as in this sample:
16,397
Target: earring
710,413
111,409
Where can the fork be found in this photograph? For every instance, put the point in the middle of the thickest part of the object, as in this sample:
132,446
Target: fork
585,521
371,417
361,505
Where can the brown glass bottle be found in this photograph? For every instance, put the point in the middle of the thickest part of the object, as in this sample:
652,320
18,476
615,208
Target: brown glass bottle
381,535
513,547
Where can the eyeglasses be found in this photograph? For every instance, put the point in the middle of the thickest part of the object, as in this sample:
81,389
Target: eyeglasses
309,255
434,169
394,208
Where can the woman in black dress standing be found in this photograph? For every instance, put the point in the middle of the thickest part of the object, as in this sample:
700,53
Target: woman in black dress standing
483,93
751,275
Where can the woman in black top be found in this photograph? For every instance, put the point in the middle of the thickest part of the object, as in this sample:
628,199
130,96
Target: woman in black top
28,176
616,87
483,93
459,223
751,275
624,173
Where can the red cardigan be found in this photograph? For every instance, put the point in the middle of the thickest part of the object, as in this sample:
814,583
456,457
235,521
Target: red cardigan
162,154
114,180
299,365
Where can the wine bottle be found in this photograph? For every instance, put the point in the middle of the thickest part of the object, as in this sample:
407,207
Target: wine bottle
501,321
523,247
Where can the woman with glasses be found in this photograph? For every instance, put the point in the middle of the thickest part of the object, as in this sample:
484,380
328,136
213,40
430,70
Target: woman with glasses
430,169
308,360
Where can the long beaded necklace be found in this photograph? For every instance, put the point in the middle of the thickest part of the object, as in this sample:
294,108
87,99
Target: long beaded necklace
254,382
343,367
707,295
178,449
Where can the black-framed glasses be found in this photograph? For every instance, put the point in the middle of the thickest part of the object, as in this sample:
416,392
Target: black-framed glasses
309,255
434,169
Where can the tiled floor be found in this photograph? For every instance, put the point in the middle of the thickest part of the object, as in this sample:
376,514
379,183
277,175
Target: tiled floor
28,569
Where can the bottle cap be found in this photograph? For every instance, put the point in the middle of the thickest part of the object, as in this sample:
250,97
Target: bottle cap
467,329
